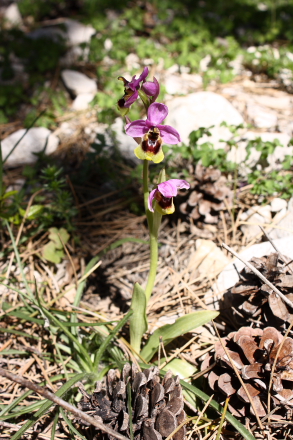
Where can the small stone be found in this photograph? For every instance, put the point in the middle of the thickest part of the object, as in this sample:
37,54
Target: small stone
78,33
203,109
261,117
277,204
132,61
78,82
34,141
283,222
182,84
255,216
82,101
12,15
126,144
230,275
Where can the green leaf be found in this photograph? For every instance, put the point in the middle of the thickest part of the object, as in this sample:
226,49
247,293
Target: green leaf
33,212
138,321
169,332
9,194
179,367
58,237
51,253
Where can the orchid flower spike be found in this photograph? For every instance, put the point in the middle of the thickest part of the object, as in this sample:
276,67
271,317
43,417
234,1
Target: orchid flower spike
152,133
131,89
161,198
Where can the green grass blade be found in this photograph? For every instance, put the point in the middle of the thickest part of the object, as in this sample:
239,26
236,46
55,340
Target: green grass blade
17,332
47,405
81,350
215,405
109,338
71,427
56,418
181,326
25,317
28,289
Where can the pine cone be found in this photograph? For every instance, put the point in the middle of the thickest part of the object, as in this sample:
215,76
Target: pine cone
254,301
253,352
156,408
207,195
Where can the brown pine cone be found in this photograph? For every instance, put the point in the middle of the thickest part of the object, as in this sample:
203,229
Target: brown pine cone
156,408
253,352
207,195
251,300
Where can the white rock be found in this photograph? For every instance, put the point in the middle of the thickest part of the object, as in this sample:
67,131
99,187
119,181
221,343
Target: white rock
182,84
78,33
125,143
132,61
238,154
12,15
78,82
74,54
34,141
256,216
202,109
108,44
203,64
173,69
208,258
230,276
278,204
283,222
276,103
261,117
82,101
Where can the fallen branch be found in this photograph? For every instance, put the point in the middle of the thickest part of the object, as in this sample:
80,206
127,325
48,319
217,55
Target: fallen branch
58,401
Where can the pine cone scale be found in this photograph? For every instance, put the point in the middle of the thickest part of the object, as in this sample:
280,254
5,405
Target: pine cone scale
157,408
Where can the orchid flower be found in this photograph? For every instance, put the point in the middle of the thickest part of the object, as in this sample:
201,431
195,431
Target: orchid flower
162,196
152,89
152,133
131,89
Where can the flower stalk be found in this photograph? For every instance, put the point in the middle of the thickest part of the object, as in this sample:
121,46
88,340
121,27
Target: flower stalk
149,135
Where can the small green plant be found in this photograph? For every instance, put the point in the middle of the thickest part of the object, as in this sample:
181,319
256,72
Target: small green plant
53,251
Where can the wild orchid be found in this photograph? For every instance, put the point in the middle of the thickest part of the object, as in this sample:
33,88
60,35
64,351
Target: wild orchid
152,133
161,198
131,89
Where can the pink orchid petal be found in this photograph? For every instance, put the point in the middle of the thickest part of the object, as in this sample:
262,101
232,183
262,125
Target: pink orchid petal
158,89
131,99
144,74
136,128
151,198
171,186
157,113
134,83
151,88
169,134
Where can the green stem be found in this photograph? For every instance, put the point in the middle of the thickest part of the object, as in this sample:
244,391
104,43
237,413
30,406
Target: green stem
146,193
154,254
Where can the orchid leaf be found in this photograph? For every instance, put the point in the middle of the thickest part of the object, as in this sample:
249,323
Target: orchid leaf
180,367
181,326
138,321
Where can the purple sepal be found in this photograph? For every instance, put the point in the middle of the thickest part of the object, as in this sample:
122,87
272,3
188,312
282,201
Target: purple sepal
171,186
